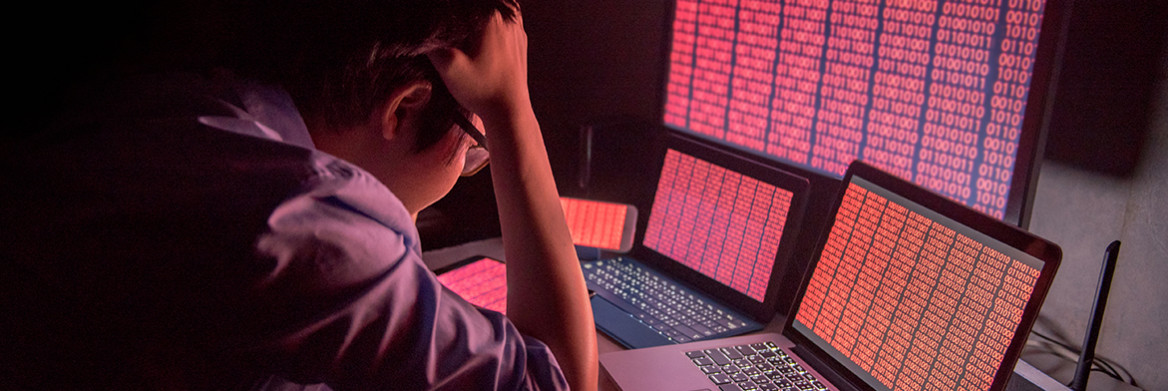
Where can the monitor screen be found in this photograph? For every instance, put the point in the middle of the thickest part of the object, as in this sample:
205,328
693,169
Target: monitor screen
909,299
718,222
945,94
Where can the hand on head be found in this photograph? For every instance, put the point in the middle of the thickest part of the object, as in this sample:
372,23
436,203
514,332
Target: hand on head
489,77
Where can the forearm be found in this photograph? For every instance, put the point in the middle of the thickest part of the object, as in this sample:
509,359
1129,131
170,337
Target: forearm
547,297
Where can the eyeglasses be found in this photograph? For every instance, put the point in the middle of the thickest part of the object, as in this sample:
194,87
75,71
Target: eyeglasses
477,156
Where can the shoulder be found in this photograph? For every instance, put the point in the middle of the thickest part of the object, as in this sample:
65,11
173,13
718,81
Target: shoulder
342,216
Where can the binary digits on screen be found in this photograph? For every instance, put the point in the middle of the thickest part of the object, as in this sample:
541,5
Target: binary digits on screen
718,222
931,91
482,282
594,223
912,302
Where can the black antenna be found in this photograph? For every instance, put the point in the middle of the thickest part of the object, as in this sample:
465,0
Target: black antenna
1083,371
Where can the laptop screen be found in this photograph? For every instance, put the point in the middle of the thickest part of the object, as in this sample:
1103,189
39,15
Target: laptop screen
718,222
481,281
907,298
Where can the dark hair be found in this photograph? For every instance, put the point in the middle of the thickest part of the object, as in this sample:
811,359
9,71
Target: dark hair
340,59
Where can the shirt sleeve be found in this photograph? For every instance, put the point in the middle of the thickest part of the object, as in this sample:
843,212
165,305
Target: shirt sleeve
348,301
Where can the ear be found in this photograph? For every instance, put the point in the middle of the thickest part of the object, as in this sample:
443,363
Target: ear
404,103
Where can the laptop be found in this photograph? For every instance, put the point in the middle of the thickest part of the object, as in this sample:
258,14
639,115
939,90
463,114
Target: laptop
705,265
908,290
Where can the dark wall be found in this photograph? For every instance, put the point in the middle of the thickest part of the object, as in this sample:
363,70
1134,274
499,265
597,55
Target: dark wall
1103,109
1104,179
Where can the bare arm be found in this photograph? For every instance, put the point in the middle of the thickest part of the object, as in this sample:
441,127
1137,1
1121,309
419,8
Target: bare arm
547,297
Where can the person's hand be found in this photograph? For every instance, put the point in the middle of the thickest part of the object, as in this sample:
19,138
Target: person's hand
489,77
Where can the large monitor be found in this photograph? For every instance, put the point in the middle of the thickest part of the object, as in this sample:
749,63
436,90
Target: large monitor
949,95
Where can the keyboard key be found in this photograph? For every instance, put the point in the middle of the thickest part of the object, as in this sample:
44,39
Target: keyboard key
703,361
717,356
688,332
744,368
662,301
730,387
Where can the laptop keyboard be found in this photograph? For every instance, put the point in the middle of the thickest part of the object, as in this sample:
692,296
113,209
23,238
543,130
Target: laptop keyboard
759,366
674,311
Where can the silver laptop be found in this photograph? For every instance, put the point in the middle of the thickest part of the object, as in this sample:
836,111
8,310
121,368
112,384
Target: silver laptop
705,266
908,290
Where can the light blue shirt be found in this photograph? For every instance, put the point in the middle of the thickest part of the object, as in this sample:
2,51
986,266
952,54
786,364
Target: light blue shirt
186,232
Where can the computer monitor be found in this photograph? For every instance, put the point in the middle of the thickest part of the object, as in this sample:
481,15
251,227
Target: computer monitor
950,95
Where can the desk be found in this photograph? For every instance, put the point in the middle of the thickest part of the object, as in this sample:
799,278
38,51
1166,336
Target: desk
1026,377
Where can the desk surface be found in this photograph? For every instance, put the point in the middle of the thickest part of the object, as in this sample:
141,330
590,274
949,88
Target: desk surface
1035,379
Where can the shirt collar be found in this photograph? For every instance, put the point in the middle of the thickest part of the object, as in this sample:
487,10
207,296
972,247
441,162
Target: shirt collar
267,111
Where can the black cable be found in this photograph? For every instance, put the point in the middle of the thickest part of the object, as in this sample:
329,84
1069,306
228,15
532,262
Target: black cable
1099,364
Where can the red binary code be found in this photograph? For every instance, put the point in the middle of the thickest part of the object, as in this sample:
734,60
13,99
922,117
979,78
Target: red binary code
930,90
594,223
911,301
482,283
718,222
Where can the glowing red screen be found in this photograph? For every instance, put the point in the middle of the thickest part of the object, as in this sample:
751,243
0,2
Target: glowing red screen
912,302
930,90
482,282
718,222
594,223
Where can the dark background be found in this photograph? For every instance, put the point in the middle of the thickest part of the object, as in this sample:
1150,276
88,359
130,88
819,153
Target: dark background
600,64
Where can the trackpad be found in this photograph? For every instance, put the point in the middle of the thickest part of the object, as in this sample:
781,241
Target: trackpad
623,327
